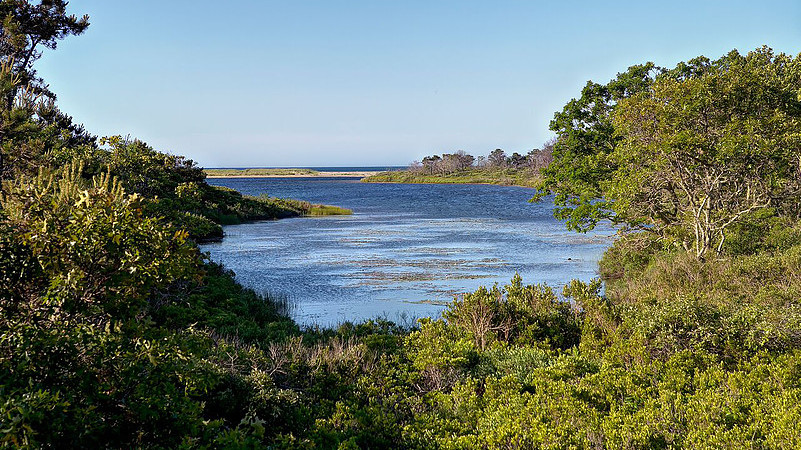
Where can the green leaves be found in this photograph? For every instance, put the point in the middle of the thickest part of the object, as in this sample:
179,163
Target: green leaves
703,151
96,252
696,147
28,27
582,163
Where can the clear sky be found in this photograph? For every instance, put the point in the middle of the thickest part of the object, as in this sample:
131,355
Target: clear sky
316,83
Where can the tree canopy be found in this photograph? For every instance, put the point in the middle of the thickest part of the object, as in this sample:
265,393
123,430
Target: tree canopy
582,152
31,127
684,153
29,26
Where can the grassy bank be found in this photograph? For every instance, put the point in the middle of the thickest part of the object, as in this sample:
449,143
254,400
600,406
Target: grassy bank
175,189
304,208
507,177
223,206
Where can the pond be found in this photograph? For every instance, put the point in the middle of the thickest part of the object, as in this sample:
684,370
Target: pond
407,250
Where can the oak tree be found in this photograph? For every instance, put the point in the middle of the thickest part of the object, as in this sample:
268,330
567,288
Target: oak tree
700,153
581,154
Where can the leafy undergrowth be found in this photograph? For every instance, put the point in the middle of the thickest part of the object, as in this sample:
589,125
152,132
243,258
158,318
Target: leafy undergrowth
115,332
124,337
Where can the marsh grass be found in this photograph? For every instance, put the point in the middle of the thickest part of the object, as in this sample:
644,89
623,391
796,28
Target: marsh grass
301,207
328,210
283,304
507,177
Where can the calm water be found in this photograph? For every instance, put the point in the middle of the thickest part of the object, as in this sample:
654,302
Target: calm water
328,168
406,250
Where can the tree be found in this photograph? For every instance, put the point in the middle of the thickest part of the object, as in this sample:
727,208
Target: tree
699,153
685,153
465,160
35,133
497,158
516,160
585,140
27,27
540,158
430,163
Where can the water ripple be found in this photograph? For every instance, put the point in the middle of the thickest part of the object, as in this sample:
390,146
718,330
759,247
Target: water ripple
406,251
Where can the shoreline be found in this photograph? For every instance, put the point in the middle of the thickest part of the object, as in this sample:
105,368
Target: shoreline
302,175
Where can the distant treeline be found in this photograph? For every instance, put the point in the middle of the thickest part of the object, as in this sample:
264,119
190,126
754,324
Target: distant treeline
497,159
460,167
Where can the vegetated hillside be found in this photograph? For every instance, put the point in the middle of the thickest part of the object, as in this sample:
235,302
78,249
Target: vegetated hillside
114,332
462,168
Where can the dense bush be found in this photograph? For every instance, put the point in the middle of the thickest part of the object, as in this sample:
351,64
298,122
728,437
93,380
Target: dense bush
79,365
176,190
676,353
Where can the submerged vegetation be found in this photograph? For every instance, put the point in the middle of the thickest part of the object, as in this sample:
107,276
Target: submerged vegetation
115,332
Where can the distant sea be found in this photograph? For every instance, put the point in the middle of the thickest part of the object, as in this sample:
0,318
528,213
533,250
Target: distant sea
326,169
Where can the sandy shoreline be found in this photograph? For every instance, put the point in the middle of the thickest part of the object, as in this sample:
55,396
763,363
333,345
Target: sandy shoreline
304,175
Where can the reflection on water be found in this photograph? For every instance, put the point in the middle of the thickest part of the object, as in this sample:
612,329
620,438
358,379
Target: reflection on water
406,251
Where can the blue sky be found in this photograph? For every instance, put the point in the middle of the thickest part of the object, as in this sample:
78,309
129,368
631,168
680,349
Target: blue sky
320,83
